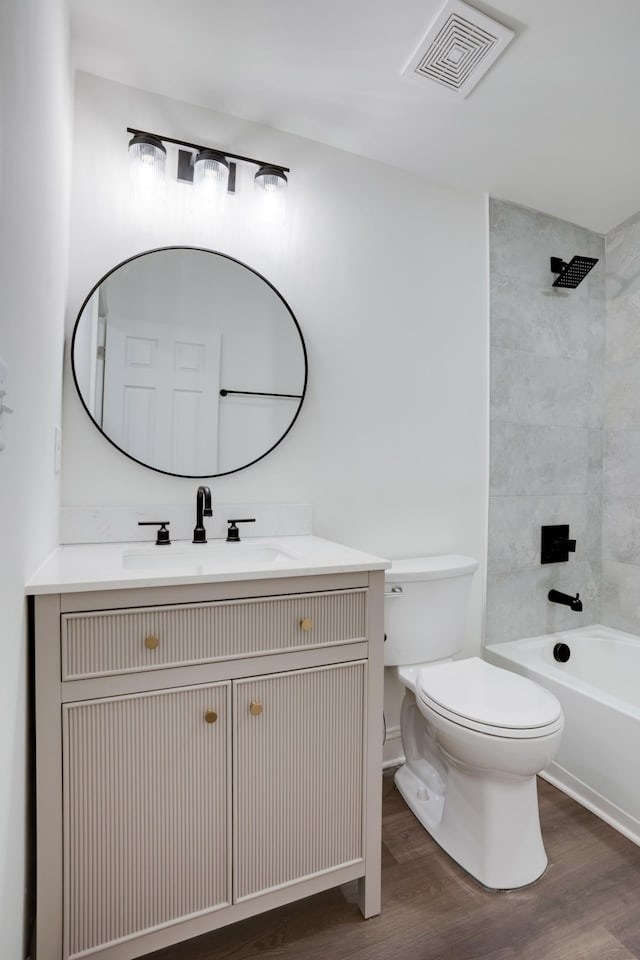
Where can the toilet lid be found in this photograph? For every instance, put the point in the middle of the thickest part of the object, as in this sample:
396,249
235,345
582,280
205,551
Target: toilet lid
431,568
476,692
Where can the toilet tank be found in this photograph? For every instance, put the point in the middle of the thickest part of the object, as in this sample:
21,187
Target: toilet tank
425,607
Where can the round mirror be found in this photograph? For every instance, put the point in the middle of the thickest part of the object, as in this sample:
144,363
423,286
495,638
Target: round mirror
189,362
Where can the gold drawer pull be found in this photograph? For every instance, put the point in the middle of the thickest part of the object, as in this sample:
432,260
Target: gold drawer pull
306,624
255,708
151,642
211,716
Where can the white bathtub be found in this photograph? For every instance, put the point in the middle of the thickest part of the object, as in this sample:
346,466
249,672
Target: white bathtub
598,762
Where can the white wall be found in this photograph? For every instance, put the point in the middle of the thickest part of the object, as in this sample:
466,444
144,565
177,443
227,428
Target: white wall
387,275
35,155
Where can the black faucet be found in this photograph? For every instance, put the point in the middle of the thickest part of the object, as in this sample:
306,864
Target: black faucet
203,509
574,602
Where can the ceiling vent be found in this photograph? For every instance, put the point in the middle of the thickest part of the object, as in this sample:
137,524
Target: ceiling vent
459,47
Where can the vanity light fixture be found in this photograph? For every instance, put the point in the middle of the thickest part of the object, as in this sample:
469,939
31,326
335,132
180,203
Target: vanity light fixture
205,166
271,178
210,166
148,156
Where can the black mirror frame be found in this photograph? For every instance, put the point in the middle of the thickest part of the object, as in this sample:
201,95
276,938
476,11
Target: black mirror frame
240,263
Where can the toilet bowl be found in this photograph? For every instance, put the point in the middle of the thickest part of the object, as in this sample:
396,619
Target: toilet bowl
474,735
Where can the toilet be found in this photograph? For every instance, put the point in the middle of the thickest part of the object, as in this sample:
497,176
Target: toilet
474,735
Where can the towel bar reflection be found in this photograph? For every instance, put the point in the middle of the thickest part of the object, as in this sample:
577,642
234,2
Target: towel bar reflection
259,393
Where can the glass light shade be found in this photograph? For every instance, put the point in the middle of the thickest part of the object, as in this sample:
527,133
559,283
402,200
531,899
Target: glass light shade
210,173
147,157
271,178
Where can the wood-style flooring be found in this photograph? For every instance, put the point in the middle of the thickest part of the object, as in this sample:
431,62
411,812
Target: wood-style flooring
586,906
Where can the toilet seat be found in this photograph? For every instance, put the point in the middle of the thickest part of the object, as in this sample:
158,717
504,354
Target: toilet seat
479,696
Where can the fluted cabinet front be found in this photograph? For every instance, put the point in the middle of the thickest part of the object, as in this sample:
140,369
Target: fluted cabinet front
115,641
298,775
202,760
147,813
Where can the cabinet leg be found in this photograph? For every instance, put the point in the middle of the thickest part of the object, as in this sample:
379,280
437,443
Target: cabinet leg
369,897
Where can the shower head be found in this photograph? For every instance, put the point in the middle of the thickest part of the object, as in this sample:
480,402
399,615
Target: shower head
572,273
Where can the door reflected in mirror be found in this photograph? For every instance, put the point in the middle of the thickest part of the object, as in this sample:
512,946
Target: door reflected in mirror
189,362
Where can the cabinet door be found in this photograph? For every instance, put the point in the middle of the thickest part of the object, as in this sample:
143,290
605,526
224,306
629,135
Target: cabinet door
146,813
298,775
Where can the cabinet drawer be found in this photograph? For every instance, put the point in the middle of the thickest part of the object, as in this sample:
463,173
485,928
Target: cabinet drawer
148,638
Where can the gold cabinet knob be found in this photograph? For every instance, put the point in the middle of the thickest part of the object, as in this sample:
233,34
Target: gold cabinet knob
151,642
306,624
255,708
210,716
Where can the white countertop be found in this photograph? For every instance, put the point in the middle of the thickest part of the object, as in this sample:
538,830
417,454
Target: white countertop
110,566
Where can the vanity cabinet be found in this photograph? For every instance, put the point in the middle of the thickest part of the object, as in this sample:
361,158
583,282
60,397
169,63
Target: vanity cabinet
203,753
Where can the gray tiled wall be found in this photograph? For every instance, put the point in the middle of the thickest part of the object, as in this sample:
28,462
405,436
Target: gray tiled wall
621,463
546,435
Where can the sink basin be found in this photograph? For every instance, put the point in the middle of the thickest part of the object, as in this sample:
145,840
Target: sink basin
217,555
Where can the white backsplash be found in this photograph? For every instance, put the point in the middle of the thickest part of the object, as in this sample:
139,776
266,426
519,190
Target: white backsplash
119,524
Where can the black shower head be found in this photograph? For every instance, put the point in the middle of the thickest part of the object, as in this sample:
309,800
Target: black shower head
572,273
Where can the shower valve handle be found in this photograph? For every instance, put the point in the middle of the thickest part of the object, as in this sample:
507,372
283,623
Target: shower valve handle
563,544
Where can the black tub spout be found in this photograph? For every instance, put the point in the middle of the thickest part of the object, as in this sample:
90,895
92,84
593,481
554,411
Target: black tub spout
574,602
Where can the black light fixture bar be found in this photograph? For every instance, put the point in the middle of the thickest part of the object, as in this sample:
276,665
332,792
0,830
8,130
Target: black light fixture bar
259,393
199,146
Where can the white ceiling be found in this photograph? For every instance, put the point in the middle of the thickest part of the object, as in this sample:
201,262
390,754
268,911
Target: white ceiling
553,125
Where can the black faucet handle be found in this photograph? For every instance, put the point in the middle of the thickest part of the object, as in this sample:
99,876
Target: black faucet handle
562,543
162,538
233,534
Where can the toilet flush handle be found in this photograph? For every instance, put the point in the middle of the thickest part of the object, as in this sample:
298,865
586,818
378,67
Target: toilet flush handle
396,591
